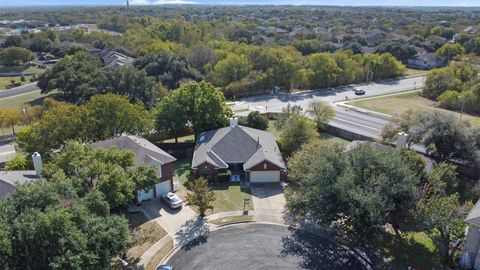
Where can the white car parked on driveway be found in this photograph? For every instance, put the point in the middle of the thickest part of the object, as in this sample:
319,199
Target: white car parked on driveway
172,200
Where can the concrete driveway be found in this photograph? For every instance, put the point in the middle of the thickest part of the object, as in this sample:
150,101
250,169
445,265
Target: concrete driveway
268,202
171,220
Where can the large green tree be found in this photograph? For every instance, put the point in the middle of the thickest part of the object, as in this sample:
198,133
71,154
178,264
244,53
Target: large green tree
102,117
297,131
254,120
442,133
201,105
357,192
72,76
168,69
111,171
131,82
232,68
12,56
45,225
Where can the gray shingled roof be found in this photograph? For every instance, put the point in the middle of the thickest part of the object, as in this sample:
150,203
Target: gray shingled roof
236,145
10,179
474,215
143,149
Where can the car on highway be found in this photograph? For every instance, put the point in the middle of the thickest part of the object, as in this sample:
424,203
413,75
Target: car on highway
164,267
359,91
172,200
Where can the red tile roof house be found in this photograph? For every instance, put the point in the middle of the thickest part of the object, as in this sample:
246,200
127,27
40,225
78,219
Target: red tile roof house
248,152
146,153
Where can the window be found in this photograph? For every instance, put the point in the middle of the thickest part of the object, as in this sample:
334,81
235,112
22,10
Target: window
206,172
265,166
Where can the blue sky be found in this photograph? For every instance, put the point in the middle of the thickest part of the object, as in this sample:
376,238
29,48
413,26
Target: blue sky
458,3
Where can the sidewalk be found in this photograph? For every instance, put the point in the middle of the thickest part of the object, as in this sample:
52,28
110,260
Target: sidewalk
152,251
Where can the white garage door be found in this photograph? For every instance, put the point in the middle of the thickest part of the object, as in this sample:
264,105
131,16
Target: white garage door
264,176
163,188
145,195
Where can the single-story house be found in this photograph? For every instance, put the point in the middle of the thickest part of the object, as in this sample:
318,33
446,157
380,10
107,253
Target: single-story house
426,61
470,258
146,153
10,179
111,58
247,152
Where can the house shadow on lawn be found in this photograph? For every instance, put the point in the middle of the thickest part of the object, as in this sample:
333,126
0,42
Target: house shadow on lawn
193,233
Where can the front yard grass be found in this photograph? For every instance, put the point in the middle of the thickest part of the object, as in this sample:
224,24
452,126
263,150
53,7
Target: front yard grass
397,104
229,196
144,234
4,81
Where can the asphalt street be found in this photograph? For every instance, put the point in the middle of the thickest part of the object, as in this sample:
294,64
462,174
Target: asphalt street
261,246
361,123
24,89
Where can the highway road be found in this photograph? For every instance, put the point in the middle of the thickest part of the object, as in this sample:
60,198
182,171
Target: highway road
24,89
358,122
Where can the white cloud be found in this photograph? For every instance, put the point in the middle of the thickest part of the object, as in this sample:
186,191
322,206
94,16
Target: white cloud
166,2
139,2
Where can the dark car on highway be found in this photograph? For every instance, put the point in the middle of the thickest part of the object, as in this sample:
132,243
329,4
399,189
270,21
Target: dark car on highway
359,91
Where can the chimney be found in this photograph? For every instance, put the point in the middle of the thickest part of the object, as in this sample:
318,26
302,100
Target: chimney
37,163
233,122
402,138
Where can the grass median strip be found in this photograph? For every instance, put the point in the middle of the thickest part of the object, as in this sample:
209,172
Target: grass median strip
397,104
232,219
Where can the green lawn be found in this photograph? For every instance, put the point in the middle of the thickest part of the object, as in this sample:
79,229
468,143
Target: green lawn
398,104
412,72
16,102
413,249
229,196
22,69
4,81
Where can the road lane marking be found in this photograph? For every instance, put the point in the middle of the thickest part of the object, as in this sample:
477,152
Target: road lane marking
357,124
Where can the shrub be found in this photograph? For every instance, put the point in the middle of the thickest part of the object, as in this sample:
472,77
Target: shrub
449,100
223,176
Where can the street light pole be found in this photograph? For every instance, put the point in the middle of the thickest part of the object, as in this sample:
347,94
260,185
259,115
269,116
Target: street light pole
462,107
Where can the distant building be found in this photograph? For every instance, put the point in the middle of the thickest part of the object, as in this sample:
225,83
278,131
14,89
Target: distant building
111,58
426,61
9,180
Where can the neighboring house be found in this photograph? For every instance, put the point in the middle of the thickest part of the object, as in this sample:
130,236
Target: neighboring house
471,255
245,151
10,179
426,61
111,58
146,153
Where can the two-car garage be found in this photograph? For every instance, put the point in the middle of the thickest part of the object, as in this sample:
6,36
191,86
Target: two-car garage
264,176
